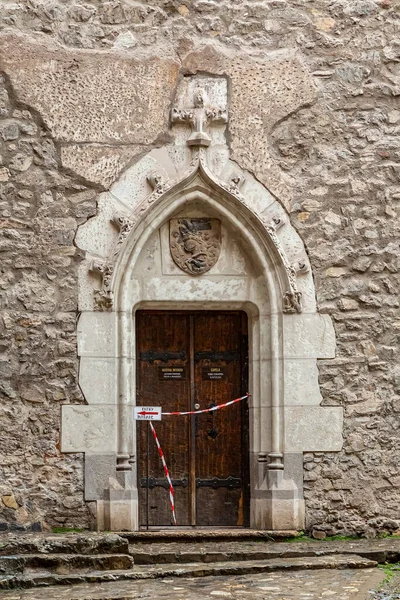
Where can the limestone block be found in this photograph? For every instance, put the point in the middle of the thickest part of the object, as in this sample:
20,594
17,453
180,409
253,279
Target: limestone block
305,285
165,160
88,428
216,89
262,92
217,158
99,234
96,334
308,336
87,282
87,96
132,186
150,258
313,429
256,195
260,419
188,289
97,379
300,381
98,469
98,163
121,510
180,156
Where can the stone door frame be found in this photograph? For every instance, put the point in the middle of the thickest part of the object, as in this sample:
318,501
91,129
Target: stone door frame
286,333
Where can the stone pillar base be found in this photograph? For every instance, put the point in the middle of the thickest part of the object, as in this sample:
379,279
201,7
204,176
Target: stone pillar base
279,507
119,511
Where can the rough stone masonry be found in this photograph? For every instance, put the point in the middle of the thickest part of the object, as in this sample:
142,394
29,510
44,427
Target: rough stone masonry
73,117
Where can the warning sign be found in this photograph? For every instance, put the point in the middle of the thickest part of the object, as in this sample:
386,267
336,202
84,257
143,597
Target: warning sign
147,413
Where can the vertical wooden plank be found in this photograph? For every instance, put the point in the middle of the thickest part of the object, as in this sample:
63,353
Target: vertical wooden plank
219,441
193,424
163,332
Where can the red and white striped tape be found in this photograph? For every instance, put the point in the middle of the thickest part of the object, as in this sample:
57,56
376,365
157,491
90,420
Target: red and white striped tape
164,464
160,452
204,410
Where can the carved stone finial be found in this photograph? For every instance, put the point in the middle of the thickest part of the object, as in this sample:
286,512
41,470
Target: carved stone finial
158,183
97,266
236,183
122,221
301,267
277,222
199,116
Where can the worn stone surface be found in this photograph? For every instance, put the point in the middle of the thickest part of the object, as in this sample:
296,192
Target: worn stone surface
333,158
41,208
91,97
313,585
66,543
98,163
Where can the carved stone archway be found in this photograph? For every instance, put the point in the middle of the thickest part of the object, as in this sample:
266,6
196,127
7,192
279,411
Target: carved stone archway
129,266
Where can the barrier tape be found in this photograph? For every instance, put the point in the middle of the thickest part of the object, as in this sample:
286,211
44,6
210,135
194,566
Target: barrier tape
160,452
164,464
204,410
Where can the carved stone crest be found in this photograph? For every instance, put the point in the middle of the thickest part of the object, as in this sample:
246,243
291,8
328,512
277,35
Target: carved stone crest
195,243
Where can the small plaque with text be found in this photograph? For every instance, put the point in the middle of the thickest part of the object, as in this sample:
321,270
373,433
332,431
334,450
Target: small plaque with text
214,373
171,373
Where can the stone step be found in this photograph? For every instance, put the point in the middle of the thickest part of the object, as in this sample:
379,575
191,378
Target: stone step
63,563
338,561
87,543
206,552
192,535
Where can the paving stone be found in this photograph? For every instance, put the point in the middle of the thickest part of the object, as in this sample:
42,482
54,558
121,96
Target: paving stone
298,585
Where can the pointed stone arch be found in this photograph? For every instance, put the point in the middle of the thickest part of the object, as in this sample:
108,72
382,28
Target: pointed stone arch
275,288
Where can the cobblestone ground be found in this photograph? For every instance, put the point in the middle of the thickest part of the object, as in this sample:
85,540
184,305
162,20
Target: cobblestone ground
297,585
388,591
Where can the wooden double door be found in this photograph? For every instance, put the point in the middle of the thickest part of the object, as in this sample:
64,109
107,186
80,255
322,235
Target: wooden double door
189,361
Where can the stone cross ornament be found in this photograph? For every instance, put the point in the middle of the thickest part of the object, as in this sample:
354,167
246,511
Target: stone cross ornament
199,116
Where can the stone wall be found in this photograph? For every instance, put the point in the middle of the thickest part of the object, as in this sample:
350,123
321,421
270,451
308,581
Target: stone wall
333,162
41,207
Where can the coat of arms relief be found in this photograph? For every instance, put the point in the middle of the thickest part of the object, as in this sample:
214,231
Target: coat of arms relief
195,243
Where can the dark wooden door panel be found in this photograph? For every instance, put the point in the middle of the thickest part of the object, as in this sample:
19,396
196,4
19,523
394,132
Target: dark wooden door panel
206,454
217,342
165,333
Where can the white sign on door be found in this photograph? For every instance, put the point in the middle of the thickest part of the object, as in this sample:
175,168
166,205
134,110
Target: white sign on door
147,413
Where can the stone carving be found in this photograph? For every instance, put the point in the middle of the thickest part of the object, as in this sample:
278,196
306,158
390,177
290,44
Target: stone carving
124,225
301,267
198,117
196,258
158,183
104,296
195,243
292,302
236,183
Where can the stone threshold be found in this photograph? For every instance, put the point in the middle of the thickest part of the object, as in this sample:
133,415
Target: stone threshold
206,533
